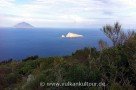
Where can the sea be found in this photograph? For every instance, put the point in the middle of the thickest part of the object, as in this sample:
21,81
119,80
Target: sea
20,43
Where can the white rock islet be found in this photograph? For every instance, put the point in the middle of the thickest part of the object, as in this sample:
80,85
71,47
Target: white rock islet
72,35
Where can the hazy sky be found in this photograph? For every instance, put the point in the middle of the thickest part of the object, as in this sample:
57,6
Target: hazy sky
68,13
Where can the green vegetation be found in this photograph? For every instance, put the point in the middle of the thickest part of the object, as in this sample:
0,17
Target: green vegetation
115,66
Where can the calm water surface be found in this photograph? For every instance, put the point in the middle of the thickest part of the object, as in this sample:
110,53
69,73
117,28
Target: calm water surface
21,43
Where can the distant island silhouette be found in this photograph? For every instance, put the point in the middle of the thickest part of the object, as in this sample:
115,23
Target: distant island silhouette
23,25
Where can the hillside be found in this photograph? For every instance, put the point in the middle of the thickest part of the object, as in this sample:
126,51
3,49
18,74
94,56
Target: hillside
110,68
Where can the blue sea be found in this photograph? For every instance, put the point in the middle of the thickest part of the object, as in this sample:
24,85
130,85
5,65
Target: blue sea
21,43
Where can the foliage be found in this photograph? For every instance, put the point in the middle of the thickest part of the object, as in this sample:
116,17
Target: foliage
116,66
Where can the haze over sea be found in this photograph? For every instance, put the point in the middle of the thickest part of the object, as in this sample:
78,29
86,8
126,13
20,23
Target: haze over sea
20,43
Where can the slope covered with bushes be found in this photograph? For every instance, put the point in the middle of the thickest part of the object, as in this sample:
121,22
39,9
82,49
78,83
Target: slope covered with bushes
115,66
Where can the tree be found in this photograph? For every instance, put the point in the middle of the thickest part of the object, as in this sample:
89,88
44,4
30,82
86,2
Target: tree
102,45
114,33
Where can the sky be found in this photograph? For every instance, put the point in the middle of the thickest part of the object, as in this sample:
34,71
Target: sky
68,13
